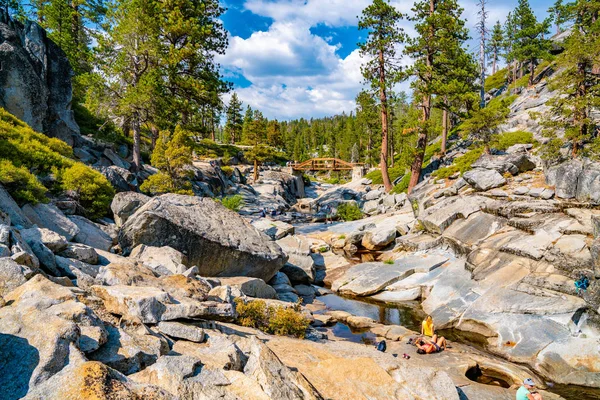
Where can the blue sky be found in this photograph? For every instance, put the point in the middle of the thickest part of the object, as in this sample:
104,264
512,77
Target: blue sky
299,58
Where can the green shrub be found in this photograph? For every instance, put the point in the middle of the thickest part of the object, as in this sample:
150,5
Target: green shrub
504,140
275,320
162,183
496,81
234,203
402,186
389,262
29,154
287,322
349,212
252,314
394,174
21,184
95,192
461,164
227,170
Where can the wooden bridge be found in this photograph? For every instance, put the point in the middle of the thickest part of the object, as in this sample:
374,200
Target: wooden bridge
324,164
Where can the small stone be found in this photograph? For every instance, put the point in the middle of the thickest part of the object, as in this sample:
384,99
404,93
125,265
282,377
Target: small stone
182,331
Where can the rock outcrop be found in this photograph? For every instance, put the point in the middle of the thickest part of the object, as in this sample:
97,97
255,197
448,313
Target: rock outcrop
35,80
215,239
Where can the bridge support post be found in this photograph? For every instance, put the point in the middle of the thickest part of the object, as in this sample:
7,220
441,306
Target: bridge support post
358,173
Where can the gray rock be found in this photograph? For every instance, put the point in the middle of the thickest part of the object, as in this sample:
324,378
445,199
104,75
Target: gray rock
152,305
129,351
36,80
43,254
81,252
125,204
50,239
115,159
219,352
437,218
181,331
274,229
276,380
74,268
91,234
11,210
370,278
252,287
121,179
49,217
12,275
280,279
300,269
513,163
374,195
519,148
371,207
498,193
217,240
5,234
484,179
521,190
26,259
380,238
588,184
164,260
564,177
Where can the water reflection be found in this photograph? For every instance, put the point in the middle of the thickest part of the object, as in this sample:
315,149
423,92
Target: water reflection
408,315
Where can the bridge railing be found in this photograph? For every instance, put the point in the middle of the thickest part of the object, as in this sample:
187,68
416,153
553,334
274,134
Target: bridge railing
325,164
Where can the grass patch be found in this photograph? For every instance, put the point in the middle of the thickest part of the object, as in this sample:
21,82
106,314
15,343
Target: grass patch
461,164
504,140
234,203
275,320
27,156
394,174
496,81
402,186
389,262
349,212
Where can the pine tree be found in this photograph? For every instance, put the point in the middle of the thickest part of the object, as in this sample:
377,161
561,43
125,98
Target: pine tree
247,125
530,45
434,22
484,123
190,35
495,45
368,124
127,56
510,29
456,70
235,120
382,70
577,84
558,13
274,138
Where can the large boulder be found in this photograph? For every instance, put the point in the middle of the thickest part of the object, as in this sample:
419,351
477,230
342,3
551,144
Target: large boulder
12,275
121,179
484,179
35,80
217,240
125,204
164,260
512,163
564,177
49,217
90,233
10,209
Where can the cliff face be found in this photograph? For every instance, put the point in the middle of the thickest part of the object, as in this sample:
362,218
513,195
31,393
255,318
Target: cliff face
35,79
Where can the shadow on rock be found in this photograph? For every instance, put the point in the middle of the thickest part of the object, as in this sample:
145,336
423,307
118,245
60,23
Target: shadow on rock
18,360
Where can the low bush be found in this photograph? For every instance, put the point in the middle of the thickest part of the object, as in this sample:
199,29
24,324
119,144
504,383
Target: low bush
394,174
461,164
504,140
227,170
95,192
234,203
276,320
389,262
496,81
162,183
21,184
349,212
402,186
27,155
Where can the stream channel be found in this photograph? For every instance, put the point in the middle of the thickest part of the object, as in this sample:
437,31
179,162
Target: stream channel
409,315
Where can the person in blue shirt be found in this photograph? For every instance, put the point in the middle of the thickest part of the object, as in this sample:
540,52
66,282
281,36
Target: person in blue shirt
527,391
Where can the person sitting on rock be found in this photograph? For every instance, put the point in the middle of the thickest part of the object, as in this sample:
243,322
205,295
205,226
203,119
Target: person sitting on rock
527,392
427,327
435,345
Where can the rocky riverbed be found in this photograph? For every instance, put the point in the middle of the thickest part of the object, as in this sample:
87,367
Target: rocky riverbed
142,305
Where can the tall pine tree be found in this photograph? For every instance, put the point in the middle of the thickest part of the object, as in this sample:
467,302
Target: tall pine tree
531,44
382,70
235,120
495,45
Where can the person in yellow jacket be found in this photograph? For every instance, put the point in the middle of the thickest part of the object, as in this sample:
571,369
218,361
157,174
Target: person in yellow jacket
427,327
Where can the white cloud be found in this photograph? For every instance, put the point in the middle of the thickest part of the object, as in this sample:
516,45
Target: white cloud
295,73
